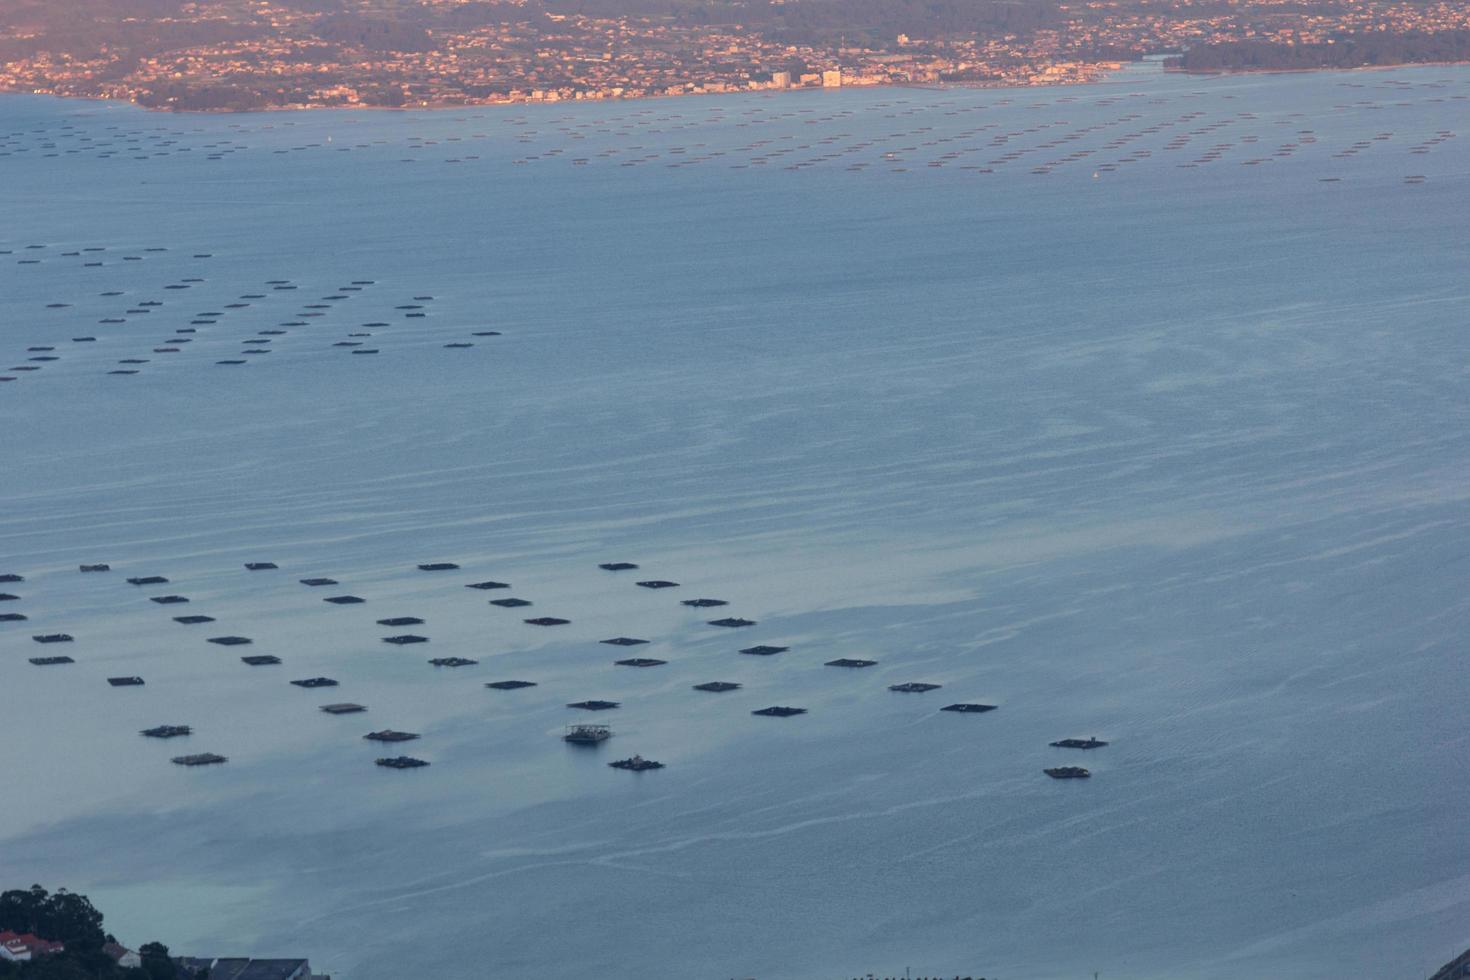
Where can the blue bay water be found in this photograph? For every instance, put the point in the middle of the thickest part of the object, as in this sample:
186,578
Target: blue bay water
1165,451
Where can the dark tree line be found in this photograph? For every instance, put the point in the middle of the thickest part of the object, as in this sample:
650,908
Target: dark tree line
70,919
1346,51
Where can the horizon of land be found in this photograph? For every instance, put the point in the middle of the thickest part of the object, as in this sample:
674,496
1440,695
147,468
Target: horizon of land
233,55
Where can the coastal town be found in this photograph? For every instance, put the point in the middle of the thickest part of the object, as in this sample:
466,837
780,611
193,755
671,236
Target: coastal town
252,54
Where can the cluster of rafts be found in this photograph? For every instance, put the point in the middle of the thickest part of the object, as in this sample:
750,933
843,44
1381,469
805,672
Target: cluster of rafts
581,734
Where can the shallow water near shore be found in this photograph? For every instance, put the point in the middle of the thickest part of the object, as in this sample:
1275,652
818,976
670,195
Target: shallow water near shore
1168,452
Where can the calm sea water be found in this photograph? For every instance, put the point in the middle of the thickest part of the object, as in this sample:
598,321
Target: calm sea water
1157,445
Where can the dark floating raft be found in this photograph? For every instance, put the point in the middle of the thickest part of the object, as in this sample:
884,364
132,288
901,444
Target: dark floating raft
704,603
510,685
617,566
315,682
623,641
261,660
779,712
148,580
849,662
99,567
488,585
402,762
510,603
733,622
193,620
438,566
318,581
167,731
53,638
1067,772
913,688
50,661
168,600
1078,743
717,686
125,681
587,734
453,662
8,597
400,621
389,735
659,583
640,662
968,709
12,617
202,759
594,705
345,708
547,621
764,651
12,577
344,600
230,641
261,566
637,764
405,638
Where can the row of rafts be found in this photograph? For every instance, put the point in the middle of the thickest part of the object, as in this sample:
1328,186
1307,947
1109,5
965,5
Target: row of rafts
575,734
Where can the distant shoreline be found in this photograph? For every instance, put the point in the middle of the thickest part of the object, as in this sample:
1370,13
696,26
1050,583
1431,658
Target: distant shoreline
1103,76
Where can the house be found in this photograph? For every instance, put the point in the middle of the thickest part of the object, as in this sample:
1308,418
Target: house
121,955
244,968
23,946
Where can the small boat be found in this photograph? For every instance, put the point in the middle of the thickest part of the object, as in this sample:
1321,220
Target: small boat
637,764
1078,743
202,759
12,617
401,762
1067,772
12,577
587,734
